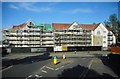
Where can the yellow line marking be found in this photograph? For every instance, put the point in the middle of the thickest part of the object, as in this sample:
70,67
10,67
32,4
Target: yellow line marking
97,60
89,66
7,68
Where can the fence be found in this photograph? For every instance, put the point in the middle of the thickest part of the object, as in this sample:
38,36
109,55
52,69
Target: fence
31,49
51,49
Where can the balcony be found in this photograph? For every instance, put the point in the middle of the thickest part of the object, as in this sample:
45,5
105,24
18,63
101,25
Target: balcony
13,33
43,45
110,39
47,38
48,42
45,35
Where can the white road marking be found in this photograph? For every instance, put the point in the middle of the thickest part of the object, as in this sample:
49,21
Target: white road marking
42,67
50,68
38,76
28,76
44,71
59,68
41,76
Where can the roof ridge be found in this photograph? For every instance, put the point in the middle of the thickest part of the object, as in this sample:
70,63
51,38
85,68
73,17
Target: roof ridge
89,26
61,23
18,26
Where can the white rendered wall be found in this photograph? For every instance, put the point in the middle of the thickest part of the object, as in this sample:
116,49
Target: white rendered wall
103,33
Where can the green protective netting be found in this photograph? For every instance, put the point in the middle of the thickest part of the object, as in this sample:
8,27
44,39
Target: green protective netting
48,27
45,26
37,26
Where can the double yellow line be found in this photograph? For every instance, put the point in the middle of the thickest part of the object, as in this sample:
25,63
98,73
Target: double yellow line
89,66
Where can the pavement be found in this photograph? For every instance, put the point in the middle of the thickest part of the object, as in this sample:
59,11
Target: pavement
22,58
20,55
14,57
69,54
80,54
78,68
80,65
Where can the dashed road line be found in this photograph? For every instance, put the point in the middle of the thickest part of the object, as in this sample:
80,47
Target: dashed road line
28,76
38,76
50,68
42,67
44,71
59,68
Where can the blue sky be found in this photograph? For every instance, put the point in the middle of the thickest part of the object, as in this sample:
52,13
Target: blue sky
15,13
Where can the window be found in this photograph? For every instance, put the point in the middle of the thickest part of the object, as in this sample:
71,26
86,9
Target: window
104,41
104,31
30,23
104,36
98,32
74,26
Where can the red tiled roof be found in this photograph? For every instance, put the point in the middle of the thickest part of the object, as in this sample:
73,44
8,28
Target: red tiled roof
60,26
89,26
19,26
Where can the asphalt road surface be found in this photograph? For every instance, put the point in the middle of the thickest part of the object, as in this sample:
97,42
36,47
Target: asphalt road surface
77,67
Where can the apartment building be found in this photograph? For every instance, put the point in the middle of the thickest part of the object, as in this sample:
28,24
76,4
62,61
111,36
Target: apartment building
59,34
71,35
46,35
29,35
101,36
111,37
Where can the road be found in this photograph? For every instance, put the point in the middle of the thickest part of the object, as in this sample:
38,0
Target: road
78,67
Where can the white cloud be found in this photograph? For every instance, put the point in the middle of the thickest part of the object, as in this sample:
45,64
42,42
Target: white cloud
82,10
30,7
14,7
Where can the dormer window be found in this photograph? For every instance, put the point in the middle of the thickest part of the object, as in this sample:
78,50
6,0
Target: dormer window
30,23
74,26
77,26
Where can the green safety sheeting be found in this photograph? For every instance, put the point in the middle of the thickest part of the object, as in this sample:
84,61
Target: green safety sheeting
37,26
45,26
